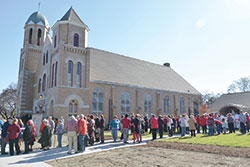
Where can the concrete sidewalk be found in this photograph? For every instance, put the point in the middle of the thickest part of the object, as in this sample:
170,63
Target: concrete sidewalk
37,158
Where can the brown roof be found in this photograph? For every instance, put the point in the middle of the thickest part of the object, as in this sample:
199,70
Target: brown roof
117,69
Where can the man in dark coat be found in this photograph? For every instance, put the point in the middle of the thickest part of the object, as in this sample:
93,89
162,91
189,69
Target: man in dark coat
102,126
3,135
97,128
46,136
146,123
160,126
27,137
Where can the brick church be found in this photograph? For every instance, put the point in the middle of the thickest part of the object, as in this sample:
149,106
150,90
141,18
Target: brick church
60,75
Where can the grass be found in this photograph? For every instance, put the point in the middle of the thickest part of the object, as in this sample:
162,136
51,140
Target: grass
229,140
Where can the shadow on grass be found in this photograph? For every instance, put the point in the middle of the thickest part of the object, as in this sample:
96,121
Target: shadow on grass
240,134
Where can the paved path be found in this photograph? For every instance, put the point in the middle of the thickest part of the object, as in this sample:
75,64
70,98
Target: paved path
37,158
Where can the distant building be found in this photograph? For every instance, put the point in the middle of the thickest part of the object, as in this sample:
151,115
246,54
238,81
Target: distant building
232,102
60,75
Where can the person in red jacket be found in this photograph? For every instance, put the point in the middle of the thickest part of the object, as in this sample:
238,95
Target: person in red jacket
248,121
203,123
13,131
30,122
82,131
154,126
42,126
197,119
218,126
125,123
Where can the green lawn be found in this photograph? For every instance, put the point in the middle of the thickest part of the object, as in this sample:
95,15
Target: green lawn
231,140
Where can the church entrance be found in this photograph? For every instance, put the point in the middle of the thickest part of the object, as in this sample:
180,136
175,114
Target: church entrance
229,109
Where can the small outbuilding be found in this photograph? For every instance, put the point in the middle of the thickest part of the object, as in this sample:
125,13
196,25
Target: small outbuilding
232,102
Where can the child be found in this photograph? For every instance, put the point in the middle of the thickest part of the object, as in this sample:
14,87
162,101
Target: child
224,126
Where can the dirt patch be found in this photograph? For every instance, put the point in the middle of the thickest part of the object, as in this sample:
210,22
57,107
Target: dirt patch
141,156
227,151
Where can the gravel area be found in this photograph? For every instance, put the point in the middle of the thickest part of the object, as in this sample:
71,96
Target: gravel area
148,156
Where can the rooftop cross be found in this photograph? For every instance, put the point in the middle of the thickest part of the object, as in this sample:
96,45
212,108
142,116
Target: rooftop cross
39,6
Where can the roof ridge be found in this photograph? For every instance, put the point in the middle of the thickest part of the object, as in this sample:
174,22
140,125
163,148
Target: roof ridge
129,57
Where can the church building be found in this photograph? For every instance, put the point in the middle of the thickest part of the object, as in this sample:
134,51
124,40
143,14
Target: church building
59,75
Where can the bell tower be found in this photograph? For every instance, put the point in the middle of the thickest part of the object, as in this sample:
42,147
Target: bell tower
35,30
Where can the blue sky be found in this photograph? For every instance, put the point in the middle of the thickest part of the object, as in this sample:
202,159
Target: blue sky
206,41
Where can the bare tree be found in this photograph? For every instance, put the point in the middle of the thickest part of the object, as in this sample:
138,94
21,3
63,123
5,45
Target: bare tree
8,100
240,85
209,98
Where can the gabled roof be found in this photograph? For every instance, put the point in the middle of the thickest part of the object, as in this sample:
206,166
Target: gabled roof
72,16
231,99
108,67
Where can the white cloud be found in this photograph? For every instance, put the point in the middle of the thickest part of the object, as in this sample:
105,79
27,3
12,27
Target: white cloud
240,8
200,23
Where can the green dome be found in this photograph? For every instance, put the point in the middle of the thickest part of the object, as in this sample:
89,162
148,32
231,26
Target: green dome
37,18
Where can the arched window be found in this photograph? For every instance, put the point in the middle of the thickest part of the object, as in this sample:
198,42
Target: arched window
182,105
56,73
166,105
39,36
97,101
76,40
44,83
70,73
147,104
47,57
52,78
78,75
39,86
73,107
55,41
125,103
30,36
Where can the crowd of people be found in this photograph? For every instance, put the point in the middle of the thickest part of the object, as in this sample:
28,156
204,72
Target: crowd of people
83,131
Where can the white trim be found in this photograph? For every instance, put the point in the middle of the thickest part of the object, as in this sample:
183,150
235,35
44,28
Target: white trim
66,106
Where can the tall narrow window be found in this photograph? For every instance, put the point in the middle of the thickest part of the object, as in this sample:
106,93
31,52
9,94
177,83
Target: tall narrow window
52,78
44,59
166,105
56,73
39,36
39,86
196,108
44,83
78,75
76,40
47,57
55,41
70,73
147,104
30,36
97,101
182,105
125,103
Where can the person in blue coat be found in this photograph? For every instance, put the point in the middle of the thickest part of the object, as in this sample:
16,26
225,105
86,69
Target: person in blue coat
114,124
3,135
